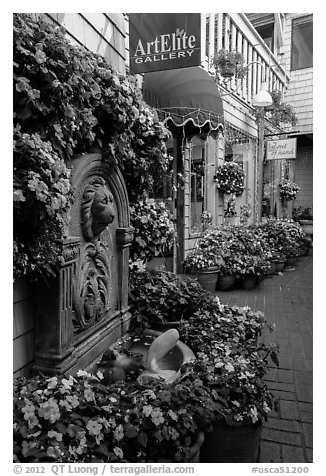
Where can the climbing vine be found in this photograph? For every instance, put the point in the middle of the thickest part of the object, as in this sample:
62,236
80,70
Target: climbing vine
68,100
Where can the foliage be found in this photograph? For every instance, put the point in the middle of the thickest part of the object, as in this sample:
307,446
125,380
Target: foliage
229,178
78,419
283,237
42,196
288,190
230,361
154,230
68,100
300,213
240,249
245,213
225,57
202,258
283,114
160,297
280,113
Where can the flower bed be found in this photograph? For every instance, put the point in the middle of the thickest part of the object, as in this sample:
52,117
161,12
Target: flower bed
78,419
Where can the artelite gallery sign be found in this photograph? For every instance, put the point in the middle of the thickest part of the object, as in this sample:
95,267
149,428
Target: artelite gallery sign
161,41
281,149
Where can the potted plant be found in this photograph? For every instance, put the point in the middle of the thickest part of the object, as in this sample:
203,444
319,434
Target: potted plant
229,63
160,300
231,365
204,262
79,419
153,230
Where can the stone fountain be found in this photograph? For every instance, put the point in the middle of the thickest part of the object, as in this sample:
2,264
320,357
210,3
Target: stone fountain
84,308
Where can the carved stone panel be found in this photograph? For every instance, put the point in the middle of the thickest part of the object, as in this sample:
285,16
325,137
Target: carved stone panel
85,309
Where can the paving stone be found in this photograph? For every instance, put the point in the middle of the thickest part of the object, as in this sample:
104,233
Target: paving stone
270,452
289,410
282,424
308,434
284,395
286,387
285,375
293,454
279,436
309,455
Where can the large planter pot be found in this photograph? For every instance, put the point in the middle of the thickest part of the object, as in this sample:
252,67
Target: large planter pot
248,282
207,278
279,266
231,444
225,283
194,455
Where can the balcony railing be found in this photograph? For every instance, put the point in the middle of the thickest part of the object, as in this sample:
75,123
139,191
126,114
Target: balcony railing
235,32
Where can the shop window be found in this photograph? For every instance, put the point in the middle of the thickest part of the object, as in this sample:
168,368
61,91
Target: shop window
197,188
302,43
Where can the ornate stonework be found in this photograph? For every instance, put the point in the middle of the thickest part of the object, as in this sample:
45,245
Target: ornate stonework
97,209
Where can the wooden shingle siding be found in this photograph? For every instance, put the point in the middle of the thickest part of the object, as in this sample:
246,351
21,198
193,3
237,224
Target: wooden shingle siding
102,33
24,316
299,93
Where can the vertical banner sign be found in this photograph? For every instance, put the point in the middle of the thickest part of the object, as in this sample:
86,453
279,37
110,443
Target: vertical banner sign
281,149
161,41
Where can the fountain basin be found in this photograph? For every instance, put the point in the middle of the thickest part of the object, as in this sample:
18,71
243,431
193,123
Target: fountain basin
137,347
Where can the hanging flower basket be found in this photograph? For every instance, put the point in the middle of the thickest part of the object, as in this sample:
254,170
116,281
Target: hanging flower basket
288,190
230,178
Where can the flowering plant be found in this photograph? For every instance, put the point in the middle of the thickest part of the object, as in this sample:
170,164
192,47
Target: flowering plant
282,237
202,258
160,297
154,230
78,419
229,178
288,190
68,100
240,248
225,58
230,361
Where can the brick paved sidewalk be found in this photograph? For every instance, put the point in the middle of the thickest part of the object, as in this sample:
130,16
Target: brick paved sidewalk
286,300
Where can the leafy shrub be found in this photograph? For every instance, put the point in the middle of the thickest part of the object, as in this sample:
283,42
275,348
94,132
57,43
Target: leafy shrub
283,237
68,100
160,297
239,247
154,230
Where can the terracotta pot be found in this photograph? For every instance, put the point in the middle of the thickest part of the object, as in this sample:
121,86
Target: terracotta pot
231,444
248,282
194,456
225,283
207,278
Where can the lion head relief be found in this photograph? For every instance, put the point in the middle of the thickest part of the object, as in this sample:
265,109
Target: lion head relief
97,208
